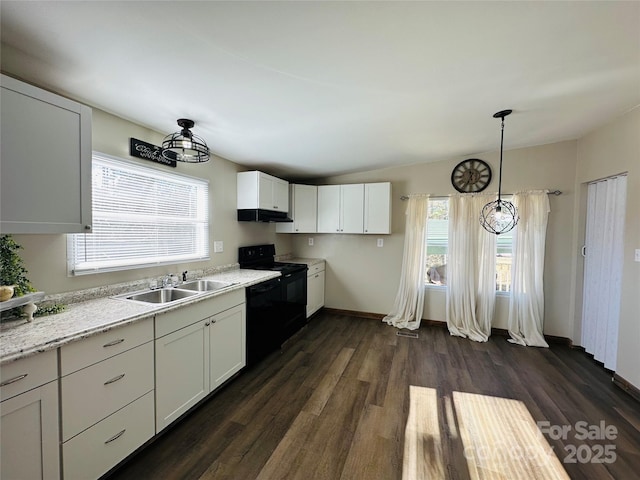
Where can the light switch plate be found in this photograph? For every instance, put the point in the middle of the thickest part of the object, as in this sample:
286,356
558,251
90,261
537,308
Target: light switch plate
637,259
381,242
218,246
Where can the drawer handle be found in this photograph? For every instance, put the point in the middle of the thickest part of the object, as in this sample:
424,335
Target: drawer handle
13,380
115,437
115,342
317,275
115,379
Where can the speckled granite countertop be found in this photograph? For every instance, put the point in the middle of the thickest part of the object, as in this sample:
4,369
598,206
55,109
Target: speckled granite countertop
20,339
308,261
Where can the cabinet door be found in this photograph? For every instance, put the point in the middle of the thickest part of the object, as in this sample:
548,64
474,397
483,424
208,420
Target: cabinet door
329,208
352,208
46,161
265,192
29,435
377,208
305,208
315,292
280,195
182,372
227,340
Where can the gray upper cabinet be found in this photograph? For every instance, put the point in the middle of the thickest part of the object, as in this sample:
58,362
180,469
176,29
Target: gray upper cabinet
45,171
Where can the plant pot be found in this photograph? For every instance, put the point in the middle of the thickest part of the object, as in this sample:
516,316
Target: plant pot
6,292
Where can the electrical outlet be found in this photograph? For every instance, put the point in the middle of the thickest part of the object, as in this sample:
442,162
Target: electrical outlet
637,259
381,242
218,246
311,241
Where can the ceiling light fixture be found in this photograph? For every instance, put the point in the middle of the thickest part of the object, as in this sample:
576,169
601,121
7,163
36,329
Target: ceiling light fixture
499,216
184,146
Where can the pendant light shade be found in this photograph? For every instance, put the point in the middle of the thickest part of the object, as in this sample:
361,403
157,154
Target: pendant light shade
184,146
499,216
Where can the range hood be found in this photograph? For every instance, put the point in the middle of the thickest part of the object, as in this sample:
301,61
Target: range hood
260,215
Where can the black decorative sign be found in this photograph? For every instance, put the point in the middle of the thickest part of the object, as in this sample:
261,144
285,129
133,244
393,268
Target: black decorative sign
148,151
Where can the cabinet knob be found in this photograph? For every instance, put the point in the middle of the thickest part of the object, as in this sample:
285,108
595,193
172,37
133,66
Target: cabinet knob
207,324
87,227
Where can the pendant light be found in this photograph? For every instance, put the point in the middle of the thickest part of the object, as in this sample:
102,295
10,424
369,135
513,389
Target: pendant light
184,146
499,216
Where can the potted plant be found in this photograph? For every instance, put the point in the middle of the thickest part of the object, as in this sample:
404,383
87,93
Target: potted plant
12,271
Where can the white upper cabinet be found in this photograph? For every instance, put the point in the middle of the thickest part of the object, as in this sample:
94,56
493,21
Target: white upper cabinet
341,208
259,190
377,208
304,210
45,184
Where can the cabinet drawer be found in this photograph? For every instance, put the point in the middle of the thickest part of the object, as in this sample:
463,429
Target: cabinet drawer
95,451
27,373
91,394
313,269
185,316
94,349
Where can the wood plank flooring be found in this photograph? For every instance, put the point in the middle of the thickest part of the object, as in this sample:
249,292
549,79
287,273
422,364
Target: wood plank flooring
334,405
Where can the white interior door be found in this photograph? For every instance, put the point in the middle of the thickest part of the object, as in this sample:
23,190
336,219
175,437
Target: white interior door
603,268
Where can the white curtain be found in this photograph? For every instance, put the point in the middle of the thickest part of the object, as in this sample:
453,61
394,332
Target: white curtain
526,304
409,302
471,269
603,268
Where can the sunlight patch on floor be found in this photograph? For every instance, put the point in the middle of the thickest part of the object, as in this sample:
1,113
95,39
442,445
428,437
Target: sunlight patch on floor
422,442
496,438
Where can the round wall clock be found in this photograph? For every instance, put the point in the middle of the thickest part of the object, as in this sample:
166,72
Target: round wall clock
471,175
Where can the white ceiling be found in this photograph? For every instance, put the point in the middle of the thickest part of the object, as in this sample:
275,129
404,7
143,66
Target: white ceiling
309,89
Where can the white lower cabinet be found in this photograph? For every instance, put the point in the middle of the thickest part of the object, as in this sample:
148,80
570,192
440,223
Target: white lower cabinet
194,360
95,392
115,390
29,447
107,401
227,354
96,450
182,372
315,288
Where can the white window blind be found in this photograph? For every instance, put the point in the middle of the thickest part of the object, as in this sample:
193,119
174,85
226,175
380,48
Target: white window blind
141,217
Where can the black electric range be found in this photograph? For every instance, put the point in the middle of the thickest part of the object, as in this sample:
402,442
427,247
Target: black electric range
276,308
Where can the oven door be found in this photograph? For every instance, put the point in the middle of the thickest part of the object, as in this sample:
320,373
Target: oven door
263,319
294,302
295,288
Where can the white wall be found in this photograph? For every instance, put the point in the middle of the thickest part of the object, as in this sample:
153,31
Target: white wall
45,255
609,150
363,277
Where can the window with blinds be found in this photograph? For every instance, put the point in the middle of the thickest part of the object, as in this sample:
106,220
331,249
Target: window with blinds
141,217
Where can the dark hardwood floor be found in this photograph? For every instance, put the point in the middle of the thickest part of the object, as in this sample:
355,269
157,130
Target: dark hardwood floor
334,405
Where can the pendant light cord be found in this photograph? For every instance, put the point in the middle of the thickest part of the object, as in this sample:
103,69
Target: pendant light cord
501,144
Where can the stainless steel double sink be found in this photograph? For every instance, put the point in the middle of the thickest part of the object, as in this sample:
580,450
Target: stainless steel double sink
174,294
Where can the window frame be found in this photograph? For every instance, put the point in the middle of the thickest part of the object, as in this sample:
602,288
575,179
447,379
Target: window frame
443,285
199,221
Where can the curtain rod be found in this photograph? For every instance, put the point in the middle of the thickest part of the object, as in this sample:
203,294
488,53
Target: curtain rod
551,192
